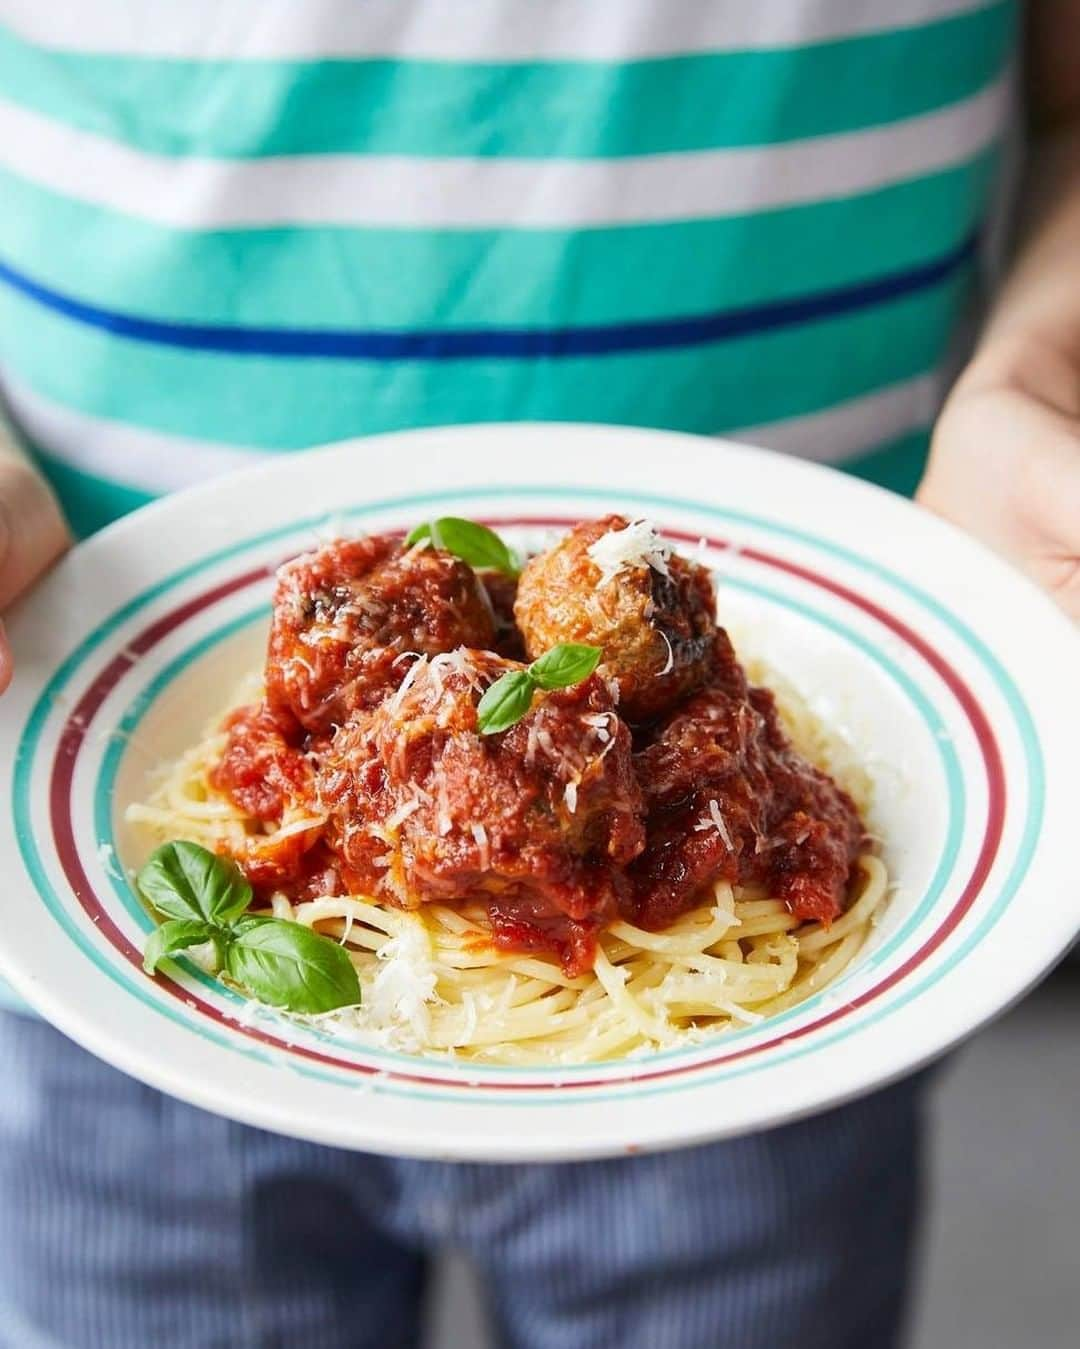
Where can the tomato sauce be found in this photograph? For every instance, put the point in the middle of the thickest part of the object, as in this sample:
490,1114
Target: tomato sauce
729,799
260,770
558,824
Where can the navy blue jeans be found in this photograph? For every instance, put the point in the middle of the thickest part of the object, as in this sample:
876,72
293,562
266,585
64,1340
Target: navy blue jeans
130,1221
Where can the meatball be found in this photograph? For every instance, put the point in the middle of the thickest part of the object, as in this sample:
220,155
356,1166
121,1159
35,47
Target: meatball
654,615
536,821
345,615
729,799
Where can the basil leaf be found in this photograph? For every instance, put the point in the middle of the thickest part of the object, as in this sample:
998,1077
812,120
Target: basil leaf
415,535
175,935
184,880
475,544
505,702
289,966
565,664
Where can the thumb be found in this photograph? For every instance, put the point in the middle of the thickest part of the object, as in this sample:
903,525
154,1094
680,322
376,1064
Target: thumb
32,530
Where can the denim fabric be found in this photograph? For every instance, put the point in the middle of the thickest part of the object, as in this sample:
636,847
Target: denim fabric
130,1221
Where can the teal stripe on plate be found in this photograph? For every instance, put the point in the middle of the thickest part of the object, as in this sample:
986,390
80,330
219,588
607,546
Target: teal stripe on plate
1024,725
406,278
546,109
289,402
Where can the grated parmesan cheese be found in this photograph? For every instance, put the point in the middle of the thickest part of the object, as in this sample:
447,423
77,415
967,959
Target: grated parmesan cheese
602,725
547,744
402,813
298,826
407,683
570,796
715,820
405,983
638,545
669,664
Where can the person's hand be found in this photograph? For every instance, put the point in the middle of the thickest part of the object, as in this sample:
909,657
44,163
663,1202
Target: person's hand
1005,461
32,536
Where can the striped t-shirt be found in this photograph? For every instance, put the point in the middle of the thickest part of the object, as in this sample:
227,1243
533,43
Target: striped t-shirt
230,228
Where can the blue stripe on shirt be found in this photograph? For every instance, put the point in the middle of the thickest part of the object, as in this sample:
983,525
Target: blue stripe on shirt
508,343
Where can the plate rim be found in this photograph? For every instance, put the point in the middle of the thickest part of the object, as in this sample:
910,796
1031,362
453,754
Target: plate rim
180,501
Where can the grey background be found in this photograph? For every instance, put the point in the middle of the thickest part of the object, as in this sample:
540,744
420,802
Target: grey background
1001,1266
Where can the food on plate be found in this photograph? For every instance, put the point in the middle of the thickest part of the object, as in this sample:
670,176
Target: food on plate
727,796
614,583
345,614
570,832
538,822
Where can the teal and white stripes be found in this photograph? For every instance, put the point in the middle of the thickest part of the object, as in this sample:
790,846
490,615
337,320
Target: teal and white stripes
496,192
523,109
383,276
433,30
287,402
234,228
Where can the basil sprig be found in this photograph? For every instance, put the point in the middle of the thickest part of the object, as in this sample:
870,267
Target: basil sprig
511,696
505,702
205,899
288,965
475,544
185,881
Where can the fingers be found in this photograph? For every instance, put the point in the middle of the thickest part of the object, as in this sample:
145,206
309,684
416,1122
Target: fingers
1006,467
32,533
5,660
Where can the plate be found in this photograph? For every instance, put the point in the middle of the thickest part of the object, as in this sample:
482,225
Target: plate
954,676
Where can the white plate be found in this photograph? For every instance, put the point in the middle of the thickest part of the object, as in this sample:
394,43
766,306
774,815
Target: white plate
956,677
